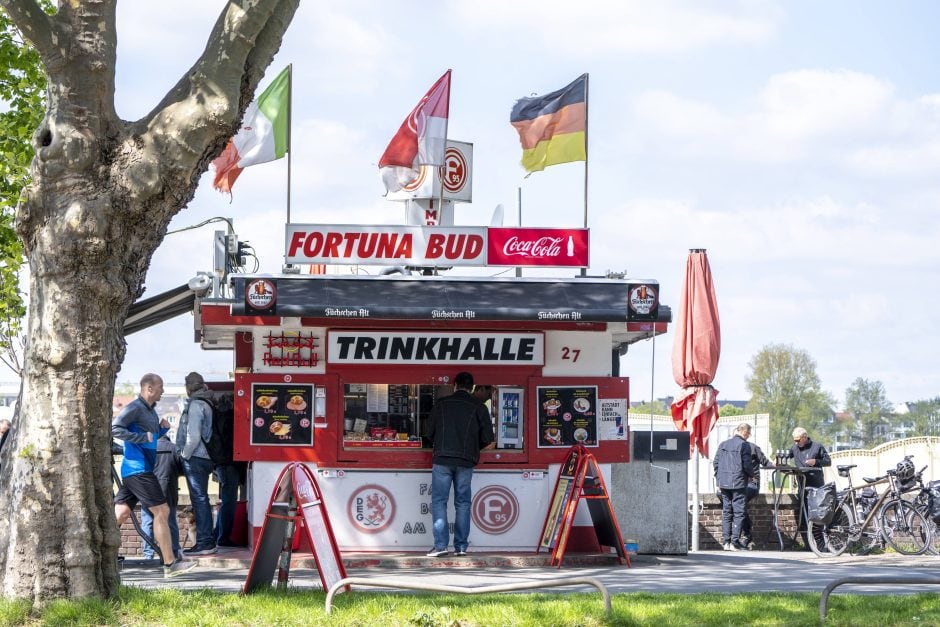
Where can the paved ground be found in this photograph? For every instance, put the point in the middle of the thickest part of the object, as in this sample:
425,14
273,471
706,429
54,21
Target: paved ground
703,571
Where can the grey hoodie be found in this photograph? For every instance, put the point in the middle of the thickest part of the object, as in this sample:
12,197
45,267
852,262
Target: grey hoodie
195,425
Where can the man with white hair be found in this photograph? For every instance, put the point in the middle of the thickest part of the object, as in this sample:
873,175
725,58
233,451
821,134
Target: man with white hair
813,456
809,454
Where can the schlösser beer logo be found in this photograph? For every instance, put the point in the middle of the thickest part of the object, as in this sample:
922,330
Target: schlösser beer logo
260,294
495,509
371,508
540,247
642,299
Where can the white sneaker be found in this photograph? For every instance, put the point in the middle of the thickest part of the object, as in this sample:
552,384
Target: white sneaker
437,552
178,567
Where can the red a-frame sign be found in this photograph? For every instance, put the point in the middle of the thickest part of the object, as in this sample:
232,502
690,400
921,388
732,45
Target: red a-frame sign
580,478
296,495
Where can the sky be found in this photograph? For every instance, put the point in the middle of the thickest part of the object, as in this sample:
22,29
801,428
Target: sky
798,142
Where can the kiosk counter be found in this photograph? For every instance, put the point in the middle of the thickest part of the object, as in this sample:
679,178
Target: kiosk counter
341,373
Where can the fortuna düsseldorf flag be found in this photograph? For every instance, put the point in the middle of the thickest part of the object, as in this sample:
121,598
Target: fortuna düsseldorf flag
420,140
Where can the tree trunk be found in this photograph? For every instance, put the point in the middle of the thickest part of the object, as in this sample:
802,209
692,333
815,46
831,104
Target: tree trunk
102,194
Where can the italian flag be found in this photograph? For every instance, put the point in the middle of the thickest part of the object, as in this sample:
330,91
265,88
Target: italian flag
263,136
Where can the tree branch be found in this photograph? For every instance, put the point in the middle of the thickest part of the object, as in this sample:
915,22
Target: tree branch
35,26
241,46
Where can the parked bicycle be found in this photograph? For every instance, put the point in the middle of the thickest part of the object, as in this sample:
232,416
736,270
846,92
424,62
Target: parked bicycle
858,525
927,502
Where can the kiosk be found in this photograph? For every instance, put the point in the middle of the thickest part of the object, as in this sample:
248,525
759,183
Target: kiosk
341,372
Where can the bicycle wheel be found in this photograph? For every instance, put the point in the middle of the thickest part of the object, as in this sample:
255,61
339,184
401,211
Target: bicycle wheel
904,527
832,539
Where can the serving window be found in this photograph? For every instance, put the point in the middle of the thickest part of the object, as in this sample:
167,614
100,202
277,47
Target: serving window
380,415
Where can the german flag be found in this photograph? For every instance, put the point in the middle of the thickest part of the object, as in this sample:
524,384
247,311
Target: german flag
552,127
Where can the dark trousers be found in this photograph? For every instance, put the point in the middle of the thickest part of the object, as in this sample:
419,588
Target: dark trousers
746,527
733,511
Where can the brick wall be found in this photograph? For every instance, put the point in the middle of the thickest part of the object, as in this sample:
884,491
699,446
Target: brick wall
762,517
132,545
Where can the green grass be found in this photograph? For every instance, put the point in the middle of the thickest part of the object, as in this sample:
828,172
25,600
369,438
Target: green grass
361,607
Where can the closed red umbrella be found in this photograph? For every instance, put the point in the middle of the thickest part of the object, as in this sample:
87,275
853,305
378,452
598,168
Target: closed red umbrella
695,353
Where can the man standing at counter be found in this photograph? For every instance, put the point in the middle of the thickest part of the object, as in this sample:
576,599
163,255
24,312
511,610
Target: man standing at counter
813,456
460,428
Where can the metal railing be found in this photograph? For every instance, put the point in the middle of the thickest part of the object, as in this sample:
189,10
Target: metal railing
824,599
394,582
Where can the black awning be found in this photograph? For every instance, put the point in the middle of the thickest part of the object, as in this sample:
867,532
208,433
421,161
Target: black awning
442,298
150,311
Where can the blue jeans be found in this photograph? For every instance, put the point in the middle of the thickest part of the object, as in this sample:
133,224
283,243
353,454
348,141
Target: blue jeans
442,477
227,475
146,523
197,472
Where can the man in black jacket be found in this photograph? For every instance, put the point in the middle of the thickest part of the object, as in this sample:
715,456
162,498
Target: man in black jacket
460,428
813,456
734,468
809,454
753,489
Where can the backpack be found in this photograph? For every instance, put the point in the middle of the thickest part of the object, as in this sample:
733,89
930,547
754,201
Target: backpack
221,440
821,503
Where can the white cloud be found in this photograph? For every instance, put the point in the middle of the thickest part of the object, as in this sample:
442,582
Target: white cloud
848,120
626,26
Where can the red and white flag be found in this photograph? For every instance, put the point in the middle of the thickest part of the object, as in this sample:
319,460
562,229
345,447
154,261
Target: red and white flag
420,140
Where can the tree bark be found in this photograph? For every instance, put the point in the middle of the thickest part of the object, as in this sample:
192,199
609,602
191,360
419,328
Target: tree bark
102,194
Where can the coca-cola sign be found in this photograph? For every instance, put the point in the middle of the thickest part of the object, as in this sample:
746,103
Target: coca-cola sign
537,247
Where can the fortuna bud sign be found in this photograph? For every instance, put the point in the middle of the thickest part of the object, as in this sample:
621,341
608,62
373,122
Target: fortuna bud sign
435,246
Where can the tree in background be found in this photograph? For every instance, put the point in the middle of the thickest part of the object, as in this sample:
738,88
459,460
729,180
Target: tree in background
868,403
657,408
784,384
102,191
22,91
925,417
731,410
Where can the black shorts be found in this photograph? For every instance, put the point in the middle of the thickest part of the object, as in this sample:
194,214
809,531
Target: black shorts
143,487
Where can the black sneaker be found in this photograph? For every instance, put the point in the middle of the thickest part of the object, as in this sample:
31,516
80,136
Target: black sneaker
437,553
201,549
737,546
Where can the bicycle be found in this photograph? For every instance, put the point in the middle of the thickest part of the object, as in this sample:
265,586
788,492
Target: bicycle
925,503
889,519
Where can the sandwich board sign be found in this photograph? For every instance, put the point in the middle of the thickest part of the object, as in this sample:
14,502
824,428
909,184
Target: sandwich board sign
296,498
580,478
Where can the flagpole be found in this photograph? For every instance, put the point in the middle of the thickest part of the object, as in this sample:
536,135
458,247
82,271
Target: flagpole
519,268
587,79
290,97
440,168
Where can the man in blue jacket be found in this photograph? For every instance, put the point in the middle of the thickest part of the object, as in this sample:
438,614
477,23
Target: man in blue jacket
139,427
460,428
734,468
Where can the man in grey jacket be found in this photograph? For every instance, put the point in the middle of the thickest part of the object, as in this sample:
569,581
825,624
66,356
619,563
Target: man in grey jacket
195,427
734,468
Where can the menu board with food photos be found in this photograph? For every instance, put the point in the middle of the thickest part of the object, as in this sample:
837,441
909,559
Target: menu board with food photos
567,415
281,414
